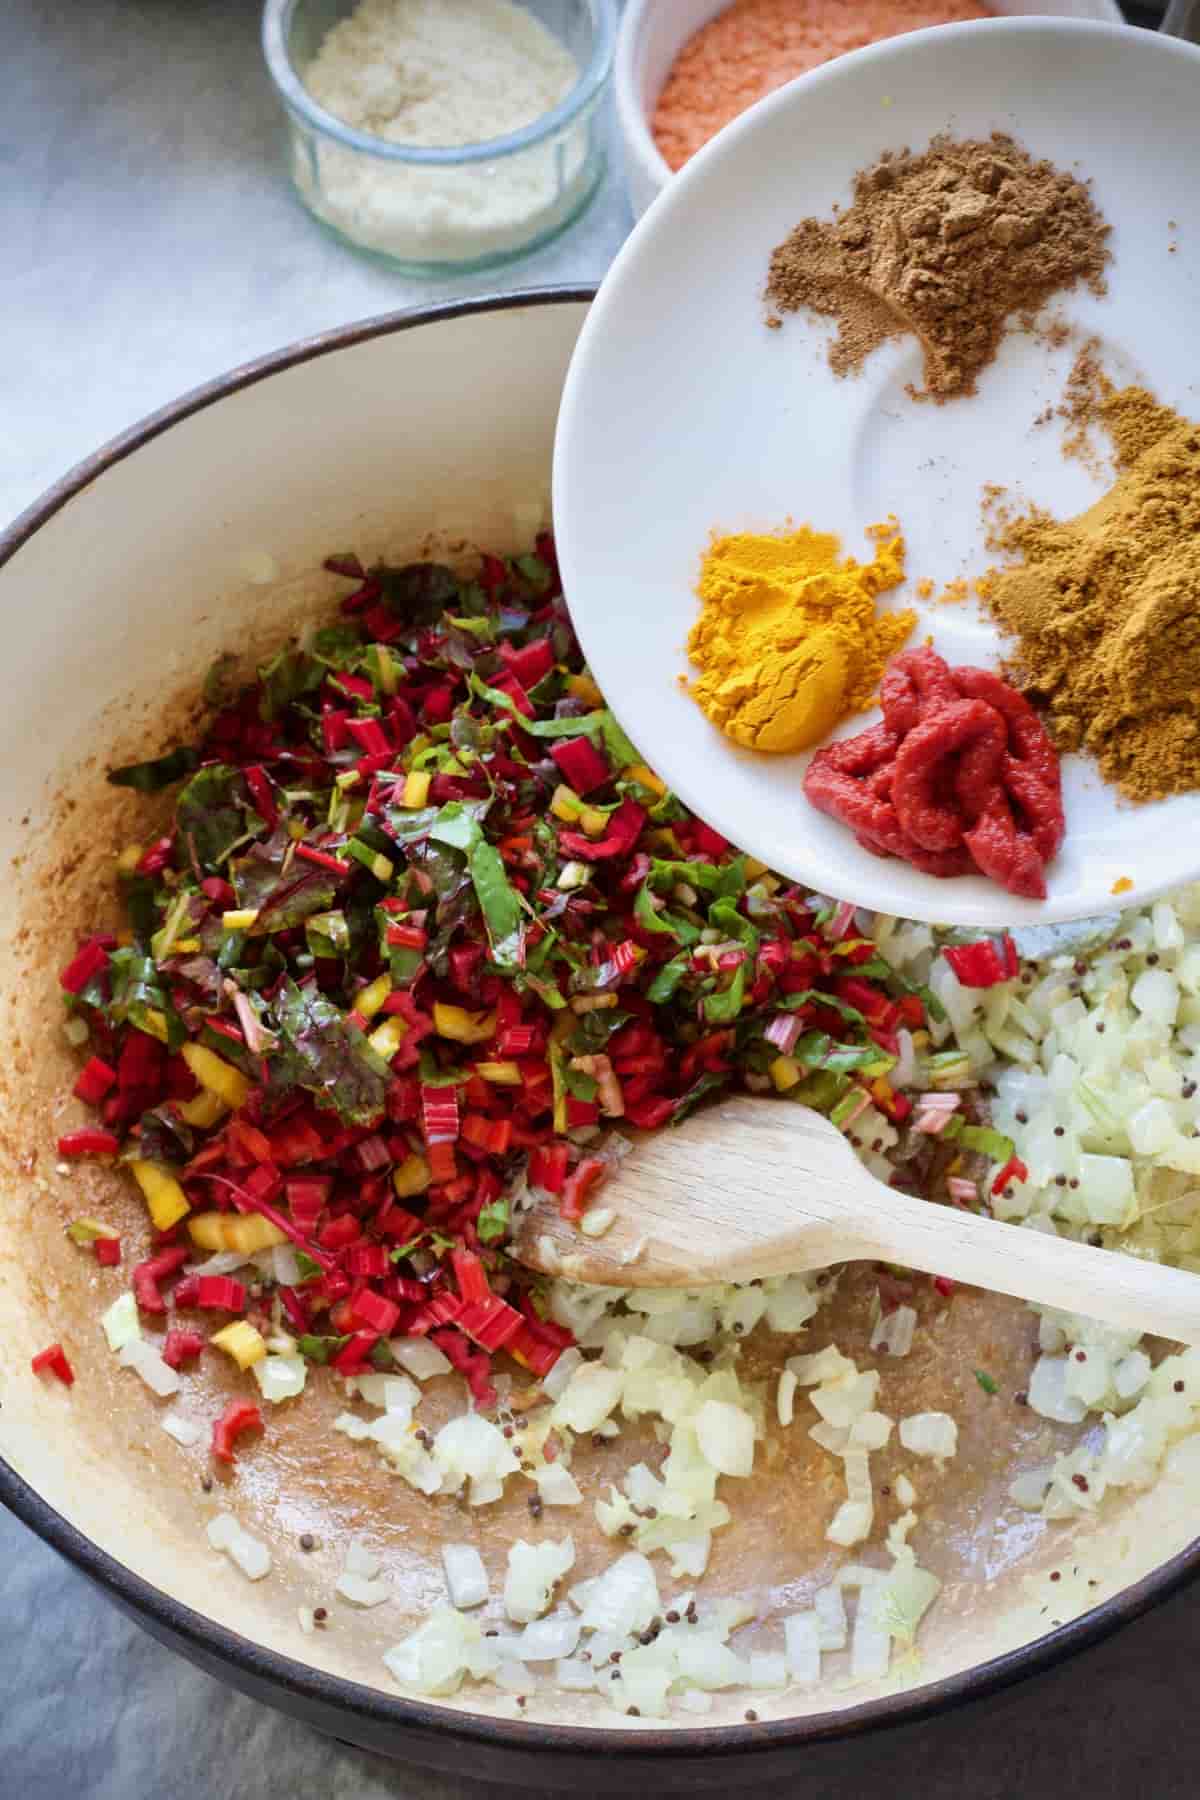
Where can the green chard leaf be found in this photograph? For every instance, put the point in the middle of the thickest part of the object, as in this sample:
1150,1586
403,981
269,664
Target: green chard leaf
320,1349
498,901
211,816
623,753
647,916
338,646
220,683
725,883
138,893
724,1006
327,934
433,1075
493,1221
815,997
289,676
668,978
137,992
150,777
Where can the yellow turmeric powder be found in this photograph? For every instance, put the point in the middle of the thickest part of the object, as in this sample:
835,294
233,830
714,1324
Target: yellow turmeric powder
788,641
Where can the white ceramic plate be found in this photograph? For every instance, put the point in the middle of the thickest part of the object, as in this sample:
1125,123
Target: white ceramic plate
682,413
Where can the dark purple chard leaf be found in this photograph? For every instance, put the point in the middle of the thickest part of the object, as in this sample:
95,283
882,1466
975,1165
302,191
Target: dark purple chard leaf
444,867
696,1095
419,593
593,1030
294,902
328,1057
163,1137
280,900
203,974
407,826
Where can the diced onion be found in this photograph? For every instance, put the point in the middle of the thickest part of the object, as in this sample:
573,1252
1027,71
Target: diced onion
471,1447
702,1658
362,1592
590,1396
434,1658
555,1382
871,1644
419,1358
768,1669
574,1676
726,1437
802,1636
394,1393
121,1322
252,1557
624,1598
533,1573
894,1331
557,1486
185,1431
281,1377
158,1376
466,1577
1048,1394
361,1560
546,1640
930,1434
830,1610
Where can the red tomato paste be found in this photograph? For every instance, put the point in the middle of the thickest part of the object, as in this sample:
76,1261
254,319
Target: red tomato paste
961,777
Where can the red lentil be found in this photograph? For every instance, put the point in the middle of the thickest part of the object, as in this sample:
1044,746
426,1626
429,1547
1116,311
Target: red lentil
755,46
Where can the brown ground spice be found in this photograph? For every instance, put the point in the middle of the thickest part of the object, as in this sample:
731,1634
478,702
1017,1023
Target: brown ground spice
1105,608
947,245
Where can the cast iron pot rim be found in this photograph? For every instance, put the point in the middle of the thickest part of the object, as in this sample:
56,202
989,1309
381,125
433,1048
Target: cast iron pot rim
380,1708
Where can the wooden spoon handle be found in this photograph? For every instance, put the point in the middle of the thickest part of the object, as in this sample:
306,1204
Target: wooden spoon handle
1049,1271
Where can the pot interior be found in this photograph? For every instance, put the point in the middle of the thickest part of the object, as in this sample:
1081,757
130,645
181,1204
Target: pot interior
207,536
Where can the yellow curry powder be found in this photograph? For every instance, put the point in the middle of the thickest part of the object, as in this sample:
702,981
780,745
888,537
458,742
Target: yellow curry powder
788,642
1104,608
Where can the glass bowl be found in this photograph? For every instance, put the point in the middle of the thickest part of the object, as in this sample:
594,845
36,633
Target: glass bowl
439,211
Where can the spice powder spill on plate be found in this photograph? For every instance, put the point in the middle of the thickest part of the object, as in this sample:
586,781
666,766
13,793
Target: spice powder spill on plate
947,245
1104,608
788,641
755,46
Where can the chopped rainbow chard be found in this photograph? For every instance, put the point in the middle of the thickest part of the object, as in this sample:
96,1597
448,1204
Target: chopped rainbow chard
422,924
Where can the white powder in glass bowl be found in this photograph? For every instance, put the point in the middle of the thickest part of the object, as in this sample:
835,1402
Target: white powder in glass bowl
438,74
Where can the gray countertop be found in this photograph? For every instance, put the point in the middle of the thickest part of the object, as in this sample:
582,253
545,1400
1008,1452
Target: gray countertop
151,242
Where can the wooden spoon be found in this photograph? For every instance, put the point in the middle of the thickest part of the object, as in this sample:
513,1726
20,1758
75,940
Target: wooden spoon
759,1187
